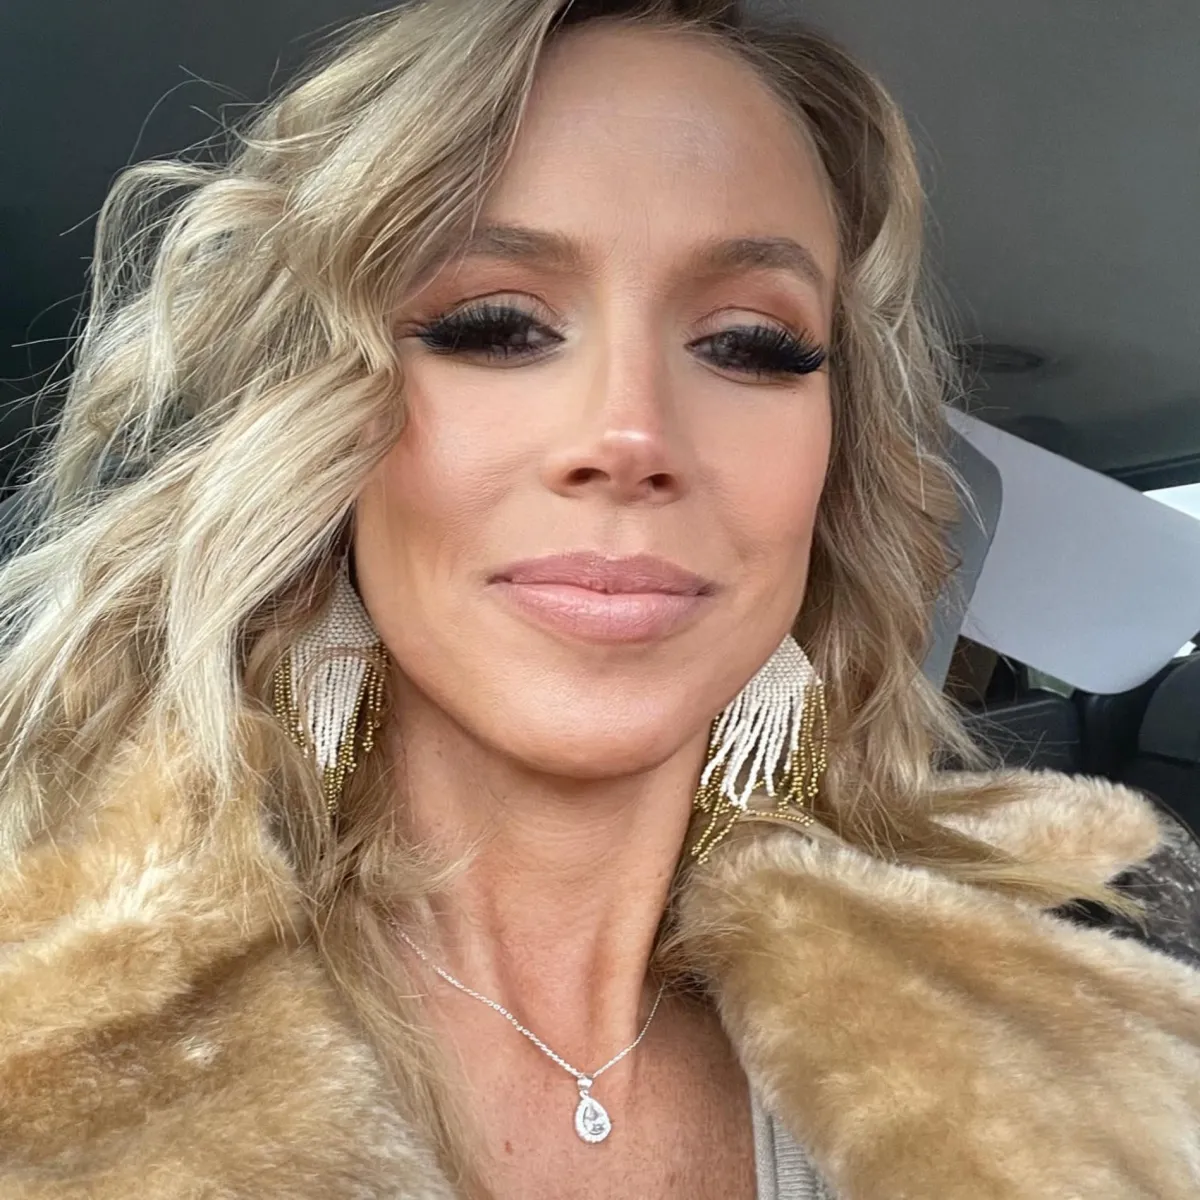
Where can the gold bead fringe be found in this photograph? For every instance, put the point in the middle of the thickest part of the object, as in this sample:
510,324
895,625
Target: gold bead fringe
366,717
795,790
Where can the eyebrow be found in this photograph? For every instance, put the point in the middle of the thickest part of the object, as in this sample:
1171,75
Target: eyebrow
516,243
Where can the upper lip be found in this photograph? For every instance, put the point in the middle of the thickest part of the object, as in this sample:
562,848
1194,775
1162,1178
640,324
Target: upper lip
639,573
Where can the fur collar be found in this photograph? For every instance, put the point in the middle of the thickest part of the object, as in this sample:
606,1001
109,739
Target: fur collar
166,1033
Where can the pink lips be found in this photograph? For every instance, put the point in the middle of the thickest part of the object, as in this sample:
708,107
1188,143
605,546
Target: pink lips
602,599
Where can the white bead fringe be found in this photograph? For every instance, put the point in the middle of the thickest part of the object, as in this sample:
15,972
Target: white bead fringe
328,683
758,735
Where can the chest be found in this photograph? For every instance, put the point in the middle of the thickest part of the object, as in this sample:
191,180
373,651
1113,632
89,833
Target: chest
681,1118
653,1150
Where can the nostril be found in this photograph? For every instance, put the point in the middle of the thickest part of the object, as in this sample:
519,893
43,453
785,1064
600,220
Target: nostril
584,475
662,482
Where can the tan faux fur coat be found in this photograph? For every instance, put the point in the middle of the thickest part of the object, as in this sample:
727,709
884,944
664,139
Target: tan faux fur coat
162,1037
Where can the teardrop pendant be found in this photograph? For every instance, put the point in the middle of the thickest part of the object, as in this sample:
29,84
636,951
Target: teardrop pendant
592,1121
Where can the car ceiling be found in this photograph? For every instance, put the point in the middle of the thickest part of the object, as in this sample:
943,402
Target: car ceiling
1060,142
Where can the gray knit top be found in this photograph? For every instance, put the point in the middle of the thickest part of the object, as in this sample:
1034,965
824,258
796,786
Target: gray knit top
783,1169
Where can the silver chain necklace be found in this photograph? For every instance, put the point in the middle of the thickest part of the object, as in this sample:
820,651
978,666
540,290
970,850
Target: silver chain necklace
592,1122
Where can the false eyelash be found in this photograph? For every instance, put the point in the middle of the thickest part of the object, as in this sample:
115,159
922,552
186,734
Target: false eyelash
481,329
765,350
504,331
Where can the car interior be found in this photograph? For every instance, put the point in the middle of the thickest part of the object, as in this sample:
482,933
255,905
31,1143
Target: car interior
1061,147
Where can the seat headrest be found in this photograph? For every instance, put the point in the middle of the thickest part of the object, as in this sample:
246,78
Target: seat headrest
1171,726
969,542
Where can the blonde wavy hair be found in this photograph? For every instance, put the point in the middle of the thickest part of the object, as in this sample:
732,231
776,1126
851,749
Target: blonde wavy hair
237,380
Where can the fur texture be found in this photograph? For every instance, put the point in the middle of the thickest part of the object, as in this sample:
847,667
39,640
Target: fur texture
166,1033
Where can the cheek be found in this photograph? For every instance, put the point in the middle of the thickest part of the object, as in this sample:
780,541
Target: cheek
432,492
772,476
415,521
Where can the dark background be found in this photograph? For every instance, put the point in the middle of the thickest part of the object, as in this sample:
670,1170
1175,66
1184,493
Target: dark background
1061,143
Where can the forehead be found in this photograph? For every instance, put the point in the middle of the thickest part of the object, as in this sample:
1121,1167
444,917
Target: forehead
647,142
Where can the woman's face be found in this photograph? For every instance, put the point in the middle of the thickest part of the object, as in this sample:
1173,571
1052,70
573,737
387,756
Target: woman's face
596,524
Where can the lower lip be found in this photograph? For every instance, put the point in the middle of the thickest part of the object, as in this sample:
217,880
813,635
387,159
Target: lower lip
598,616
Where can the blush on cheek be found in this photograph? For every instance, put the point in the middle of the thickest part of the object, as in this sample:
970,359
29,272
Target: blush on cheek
469,432
428,514
781,477
780,483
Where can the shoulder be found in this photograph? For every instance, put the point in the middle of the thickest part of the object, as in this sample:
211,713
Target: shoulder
168,1028
1166,886
1094,832
1005,1020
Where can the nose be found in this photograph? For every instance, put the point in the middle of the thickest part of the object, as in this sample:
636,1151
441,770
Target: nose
623,443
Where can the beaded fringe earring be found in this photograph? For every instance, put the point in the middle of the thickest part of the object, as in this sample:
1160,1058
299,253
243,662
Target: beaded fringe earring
770,739
328,691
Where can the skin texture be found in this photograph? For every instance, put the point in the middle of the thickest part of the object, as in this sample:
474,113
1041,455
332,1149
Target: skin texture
569,763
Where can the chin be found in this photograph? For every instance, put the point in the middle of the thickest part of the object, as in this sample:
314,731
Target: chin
554,715
591,746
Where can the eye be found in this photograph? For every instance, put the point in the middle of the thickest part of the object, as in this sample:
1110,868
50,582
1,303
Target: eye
762,351
489,330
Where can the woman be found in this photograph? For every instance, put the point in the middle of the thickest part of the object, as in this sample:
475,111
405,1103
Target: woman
408,645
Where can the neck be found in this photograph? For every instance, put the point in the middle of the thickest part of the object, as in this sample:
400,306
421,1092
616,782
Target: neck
556,915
